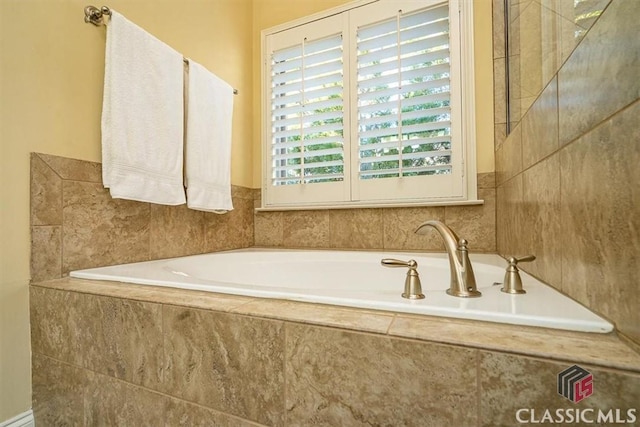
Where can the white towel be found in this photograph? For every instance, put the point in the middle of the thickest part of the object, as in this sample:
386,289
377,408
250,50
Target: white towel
208,141
142,116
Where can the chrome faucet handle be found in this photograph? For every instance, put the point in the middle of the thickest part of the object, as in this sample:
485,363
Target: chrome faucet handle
512,280
412,285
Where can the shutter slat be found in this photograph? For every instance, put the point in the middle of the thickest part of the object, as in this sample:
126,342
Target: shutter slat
430,15
431,84
374,120
405,170
407,76
423,32
310,48
329,115
422,127
392,51
407,102
446,140
405,156
299,109
308,142
409,61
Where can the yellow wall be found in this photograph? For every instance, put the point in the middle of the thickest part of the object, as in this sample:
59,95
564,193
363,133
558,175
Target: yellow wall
269,13
51,76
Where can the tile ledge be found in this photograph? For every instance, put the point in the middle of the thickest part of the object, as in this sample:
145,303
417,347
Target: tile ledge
603,350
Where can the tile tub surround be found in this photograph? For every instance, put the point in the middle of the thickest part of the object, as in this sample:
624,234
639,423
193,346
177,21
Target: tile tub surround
186,357
76,224
567,175
380,228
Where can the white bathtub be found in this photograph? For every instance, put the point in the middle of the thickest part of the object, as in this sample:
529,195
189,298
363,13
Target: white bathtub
356,279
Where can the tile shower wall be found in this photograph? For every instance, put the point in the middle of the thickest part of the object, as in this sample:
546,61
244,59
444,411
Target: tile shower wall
76,224
567,175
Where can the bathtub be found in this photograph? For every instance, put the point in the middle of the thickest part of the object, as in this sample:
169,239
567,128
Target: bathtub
357,279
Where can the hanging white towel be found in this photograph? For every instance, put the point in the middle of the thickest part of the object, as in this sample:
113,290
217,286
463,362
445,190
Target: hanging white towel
142,116
208,141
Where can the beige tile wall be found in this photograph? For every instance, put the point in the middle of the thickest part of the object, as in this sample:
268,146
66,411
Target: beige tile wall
76,224
381,228
568,173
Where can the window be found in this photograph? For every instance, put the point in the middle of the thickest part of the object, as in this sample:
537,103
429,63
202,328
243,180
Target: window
365,107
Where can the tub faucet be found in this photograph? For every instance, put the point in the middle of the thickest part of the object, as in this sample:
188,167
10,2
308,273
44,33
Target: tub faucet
463,281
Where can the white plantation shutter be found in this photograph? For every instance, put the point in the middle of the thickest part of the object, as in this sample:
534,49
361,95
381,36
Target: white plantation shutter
306,151
405,147
365,107
307,112
404,117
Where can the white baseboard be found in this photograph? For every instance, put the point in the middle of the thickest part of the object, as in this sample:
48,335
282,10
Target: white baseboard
23,420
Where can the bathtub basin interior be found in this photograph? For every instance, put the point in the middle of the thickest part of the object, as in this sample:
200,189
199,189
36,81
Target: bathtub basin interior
357,279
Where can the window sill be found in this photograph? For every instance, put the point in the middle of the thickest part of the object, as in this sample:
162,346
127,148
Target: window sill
369,205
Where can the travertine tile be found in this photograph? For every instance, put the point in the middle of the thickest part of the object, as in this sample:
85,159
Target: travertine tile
578,18
509,383
498,29
306,229
542,230
111,402
99,230
601,76
73,169
605,350
510,218
400,225
233,230
58,392
175,231
356,228
121,338
600,219
476,223
181,413
117,337
318,314
345,378
513,109
532,50
540,127
229,363
499,91
509,156
46,194
499,134
46,253
239,192
516,7
487,180
269,229
154,294
54,331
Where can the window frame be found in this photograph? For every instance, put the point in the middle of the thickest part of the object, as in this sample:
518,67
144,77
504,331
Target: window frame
295,199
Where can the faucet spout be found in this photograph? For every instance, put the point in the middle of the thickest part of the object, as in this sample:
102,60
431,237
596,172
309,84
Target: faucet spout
463,280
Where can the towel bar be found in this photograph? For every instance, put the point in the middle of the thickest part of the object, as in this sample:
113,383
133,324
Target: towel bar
93,15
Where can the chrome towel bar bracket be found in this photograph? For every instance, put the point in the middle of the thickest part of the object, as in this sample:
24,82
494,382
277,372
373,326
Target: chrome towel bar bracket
95,16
